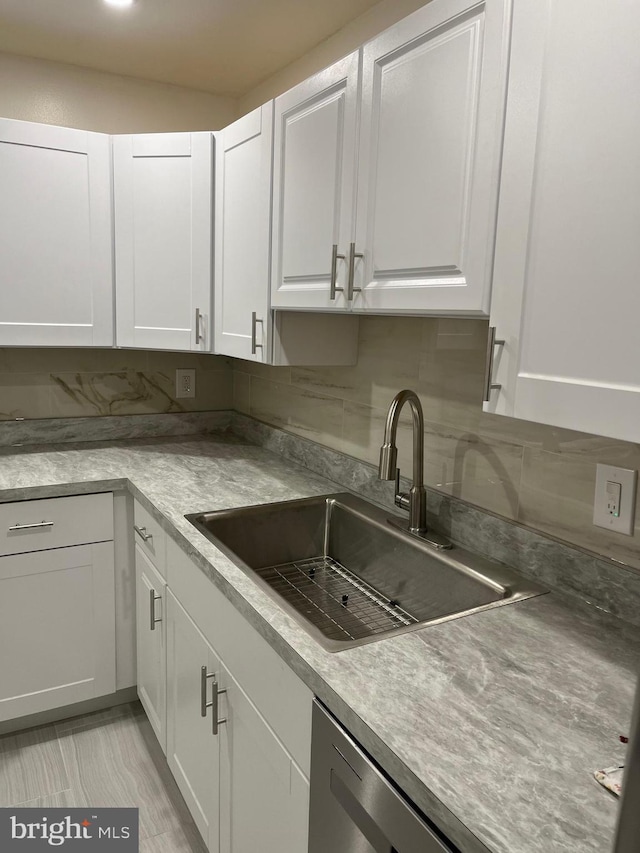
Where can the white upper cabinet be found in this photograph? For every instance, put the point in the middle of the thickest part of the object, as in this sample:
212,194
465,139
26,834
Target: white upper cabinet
429,159
568,220
56,286
425,109
163,187
313,188
243,233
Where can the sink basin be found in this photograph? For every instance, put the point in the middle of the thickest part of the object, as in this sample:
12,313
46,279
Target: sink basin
349,575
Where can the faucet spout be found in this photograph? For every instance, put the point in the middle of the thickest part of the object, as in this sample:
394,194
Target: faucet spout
389,456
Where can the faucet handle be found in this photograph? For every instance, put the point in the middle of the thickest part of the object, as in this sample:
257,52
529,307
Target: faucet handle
401,498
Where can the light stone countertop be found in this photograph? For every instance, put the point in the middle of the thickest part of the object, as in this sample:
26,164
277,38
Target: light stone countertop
493,724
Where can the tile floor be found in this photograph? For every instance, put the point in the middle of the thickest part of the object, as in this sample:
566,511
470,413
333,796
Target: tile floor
109,758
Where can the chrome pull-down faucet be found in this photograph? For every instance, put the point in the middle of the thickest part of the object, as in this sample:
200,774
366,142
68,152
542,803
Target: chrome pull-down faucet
416,501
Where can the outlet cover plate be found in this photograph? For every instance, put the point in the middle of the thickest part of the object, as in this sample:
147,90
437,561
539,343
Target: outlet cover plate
185,383
628,480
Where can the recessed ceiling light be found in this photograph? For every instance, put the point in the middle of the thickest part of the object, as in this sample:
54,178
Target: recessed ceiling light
120,3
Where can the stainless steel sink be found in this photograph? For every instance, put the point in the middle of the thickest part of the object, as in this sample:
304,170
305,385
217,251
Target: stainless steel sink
348,575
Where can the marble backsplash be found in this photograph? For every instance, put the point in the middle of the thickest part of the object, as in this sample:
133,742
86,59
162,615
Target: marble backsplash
71,383
539,476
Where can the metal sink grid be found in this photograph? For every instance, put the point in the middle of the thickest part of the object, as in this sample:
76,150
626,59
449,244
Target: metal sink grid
334,600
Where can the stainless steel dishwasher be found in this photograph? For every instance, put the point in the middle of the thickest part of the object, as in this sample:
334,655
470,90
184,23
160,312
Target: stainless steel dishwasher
354,807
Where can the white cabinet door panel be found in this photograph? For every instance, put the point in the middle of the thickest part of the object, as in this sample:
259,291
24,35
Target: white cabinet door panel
163,232
192,749
56,237
314,186
264,797
568,221
244,153
151,644
57,628
284,700
432,104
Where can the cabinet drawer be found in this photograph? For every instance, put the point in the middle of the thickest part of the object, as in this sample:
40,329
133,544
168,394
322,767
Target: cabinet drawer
150,537
55,523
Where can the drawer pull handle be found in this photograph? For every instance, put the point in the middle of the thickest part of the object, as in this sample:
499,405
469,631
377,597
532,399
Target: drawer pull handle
204,675
142,532
152,609
31,526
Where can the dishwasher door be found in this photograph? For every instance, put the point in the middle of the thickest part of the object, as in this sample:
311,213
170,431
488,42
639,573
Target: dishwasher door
354,808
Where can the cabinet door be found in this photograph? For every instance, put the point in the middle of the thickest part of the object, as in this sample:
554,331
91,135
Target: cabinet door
264,798
56,237
568,220
57,628
429,158
192,748
151,644
314,187
244,153
163,234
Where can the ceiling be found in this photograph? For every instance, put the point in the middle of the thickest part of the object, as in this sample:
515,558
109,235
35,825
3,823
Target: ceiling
222,46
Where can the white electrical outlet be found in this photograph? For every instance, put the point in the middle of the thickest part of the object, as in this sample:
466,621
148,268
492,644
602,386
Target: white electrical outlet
615,498
185,383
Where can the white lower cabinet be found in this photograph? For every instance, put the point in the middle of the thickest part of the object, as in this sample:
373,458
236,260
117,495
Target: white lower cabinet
264,798
57,628
151,643
57,603
192,748
238,735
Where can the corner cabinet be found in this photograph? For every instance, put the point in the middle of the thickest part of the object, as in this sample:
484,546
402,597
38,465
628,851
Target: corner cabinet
244,324
242,235
163,209
56,237
395,210
568,221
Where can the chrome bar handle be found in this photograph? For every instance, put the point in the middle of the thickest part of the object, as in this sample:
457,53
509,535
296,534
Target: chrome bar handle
152,609
254,342
31,526
334,271
489,385
198,318
203,690
215,693
352,271
142,532
204,705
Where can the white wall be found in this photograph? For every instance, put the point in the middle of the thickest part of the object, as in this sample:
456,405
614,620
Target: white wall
54,93
350,37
